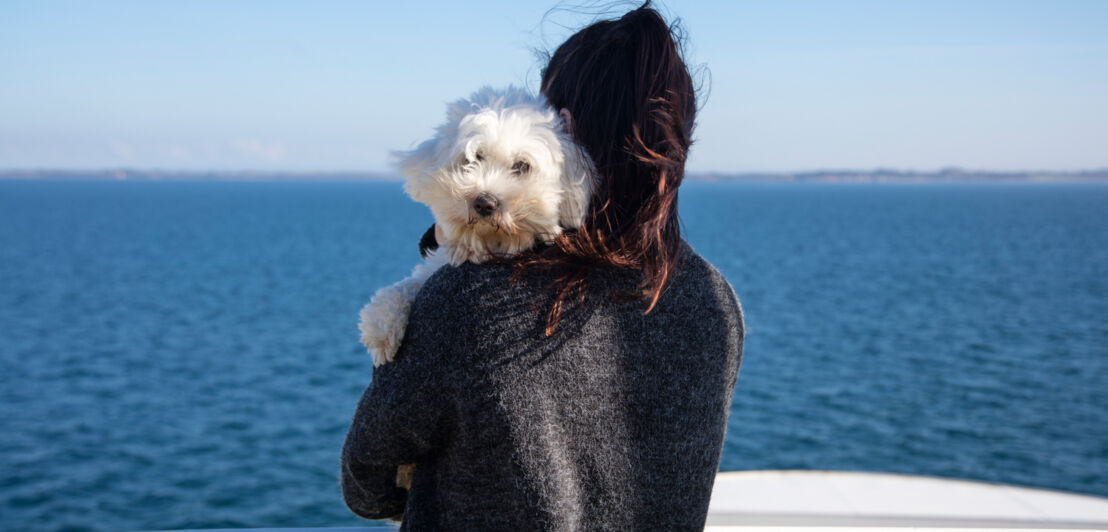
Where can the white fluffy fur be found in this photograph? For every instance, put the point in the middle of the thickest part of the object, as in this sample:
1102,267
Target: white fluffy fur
478,151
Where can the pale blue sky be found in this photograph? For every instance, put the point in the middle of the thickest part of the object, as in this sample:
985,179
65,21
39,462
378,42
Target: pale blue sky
335,85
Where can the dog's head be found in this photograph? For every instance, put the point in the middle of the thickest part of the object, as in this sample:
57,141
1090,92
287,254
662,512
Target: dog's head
500,174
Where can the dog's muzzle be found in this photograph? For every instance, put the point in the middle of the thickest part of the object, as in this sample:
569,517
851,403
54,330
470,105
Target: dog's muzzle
485,205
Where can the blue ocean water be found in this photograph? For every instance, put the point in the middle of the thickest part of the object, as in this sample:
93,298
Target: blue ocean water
184,354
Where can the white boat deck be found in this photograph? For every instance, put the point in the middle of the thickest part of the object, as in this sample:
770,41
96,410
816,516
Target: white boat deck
830,500
841,501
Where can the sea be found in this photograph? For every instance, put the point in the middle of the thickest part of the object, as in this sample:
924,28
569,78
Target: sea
184,354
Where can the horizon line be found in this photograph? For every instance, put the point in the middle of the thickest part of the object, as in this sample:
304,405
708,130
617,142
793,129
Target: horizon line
950,170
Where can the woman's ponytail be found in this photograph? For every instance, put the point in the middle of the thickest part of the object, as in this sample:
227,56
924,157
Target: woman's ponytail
634,109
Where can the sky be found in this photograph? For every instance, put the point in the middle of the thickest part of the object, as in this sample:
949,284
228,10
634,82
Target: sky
335,86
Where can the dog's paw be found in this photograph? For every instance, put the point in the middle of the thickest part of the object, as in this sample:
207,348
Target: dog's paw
383,322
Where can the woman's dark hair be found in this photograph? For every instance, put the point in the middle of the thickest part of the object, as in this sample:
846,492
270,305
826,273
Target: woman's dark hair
633,105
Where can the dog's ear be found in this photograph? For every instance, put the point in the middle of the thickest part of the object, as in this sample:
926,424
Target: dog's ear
432,154
416,165
577,184
413,163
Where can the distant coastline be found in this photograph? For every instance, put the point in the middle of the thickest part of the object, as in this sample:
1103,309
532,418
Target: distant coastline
884,175
130,174
881,175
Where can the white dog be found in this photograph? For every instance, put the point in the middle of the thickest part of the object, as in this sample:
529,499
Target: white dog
500,175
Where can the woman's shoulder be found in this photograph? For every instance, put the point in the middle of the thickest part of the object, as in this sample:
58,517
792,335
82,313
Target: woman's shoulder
467,286
696,268
472,294
476,312
698,279
446,314
481,287
474,298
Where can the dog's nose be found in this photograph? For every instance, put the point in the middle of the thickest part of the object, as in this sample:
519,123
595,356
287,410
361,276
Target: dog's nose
485,205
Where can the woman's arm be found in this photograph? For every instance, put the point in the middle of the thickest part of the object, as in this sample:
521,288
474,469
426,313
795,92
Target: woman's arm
404,415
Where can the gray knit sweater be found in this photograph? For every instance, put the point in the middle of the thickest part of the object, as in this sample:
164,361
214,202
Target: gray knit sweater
614,422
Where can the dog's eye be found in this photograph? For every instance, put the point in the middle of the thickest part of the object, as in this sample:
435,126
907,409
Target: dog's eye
479,156
521,167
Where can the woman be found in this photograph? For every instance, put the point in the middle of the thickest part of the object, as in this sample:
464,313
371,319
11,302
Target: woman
584,385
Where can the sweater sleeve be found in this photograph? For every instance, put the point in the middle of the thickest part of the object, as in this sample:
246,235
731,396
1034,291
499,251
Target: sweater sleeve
404,415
